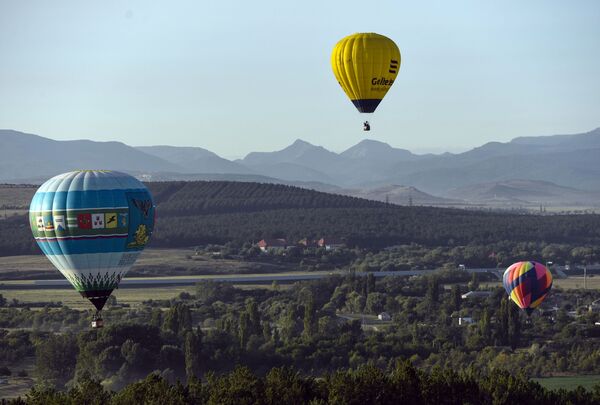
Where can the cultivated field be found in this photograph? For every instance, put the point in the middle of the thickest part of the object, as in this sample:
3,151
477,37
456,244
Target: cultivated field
16,196
72,299
571,382
571,283
152,262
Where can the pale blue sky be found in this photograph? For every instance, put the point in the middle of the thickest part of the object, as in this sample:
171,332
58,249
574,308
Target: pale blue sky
235,77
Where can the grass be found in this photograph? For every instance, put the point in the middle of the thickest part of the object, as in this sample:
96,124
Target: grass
570,382
131,296
9,212
152,262
18,386
72,299
571,283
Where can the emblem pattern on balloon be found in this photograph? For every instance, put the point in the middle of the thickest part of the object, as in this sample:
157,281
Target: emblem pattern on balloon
92,225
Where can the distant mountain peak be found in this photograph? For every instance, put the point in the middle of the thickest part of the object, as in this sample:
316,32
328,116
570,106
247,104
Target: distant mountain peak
301,146
372,149
301,142
373,142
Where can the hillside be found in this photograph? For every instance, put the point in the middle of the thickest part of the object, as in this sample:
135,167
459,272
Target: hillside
200,197
32,158
519,192
194,213
402,195
194,160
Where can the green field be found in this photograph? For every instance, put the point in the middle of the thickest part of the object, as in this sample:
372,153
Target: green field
592,283
131,296
19,386
152,262
72,299
569,383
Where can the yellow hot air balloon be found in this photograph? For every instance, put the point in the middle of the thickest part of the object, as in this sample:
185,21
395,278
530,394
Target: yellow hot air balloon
366,66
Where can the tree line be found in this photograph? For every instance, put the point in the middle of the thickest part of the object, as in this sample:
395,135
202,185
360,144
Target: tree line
316,327
400,383
200,213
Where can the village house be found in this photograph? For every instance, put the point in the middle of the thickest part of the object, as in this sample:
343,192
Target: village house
476,294
384,316
465,320
307,243
272,245
331,243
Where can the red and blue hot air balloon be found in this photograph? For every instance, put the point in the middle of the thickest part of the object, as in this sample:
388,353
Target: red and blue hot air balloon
527,284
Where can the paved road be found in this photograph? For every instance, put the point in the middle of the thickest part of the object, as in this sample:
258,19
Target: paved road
237,279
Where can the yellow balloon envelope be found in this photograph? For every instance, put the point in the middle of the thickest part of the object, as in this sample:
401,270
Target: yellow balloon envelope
366,66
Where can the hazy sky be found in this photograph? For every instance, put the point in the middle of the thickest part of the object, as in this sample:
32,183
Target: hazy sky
234,77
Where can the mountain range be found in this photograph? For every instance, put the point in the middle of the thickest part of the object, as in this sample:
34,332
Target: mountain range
535,170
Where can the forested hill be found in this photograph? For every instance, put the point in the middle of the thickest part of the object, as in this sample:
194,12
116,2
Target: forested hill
197,213
207,197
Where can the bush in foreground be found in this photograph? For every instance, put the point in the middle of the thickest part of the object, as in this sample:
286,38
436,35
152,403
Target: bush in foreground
365,385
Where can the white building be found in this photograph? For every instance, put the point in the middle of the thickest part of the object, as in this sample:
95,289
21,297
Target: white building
465,320
384,316
476,294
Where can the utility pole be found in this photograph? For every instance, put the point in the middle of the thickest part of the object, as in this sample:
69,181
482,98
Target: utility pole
584,277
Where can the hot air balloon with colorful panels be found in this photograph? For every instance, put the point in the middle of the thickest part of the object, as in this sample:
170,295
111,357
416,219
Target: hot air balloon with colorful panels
92,225
527,284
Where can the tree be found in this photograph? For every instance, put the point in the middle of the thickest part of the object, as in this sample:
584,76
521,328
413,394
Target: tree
375,302
253,317
89,391
156,318
456,297
309,318
244,331
289,323
355,302
514,326
503,322
485,328
509,325
172,358
178,319
370,283
286,386
56,358
240,387
152,390
193,353
433,290
474,283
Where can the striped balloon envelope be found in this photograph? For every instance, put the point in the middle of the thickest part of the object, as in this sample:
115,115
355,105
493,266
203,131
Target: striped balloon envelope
92,225
527,284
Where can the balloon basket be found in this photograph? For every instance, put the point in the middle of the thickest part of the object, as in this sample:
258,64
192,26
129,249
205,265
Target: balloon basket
97,321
